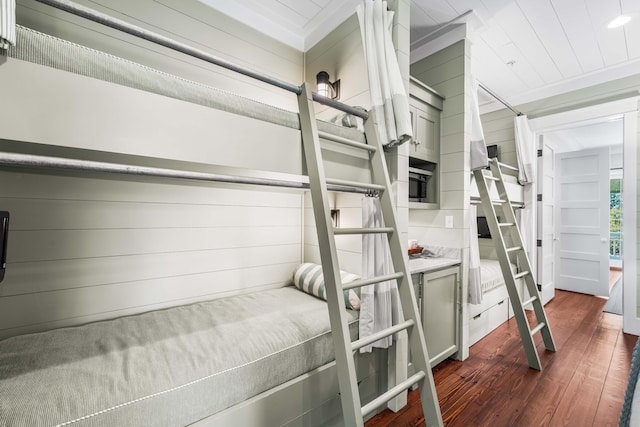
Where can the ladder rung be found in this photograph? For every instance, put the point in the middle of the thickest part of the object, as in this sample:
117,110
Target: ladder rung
345,141
506,224
371,281
356,184
506,166
529,301
358,344
391,393
499,202
379,230
519,275
491,178
515,248
538,328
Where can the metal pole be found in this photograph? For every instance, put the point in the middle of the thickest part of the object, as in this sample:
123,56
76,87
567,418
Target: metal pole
500,100
109,21
29,160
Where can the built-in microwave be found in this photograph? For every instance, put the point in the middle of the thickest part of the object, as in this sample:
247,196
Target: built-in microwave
418,188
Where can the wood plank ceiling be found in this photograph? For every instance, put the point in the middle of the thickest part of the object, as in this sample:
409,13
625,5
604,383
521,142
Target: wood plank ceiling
523,49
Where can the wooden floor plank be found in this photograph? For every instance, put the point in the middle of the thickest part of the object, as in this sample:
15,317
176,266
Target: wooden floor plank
582,384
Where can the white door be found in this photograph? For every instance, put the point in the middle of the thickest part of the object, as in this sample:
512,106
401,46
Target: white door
546,220
582,218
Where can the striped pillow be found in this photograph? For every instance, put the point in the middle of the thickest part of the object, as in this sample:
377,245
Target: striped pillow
308,278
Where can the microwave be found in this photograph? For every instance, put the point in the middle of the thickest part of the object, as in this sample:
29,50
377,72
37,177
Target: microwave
418,188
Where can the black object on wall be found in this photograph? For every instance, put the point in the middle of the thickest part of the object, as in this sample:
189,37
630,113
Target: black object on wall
4,220
483,228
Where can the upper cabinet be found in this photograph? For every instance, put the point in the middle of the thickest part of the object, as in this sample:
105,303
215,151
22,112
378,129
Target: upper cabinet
425,106
426,131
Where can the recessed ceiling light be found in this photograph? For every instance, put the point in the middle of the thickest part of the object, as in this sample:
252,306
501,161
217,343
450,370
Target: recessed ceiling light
619,21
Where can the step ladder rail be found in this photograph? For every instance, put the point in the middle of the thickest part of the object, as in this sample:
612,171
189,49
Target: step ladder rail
505,266
417,343
345,364
522,257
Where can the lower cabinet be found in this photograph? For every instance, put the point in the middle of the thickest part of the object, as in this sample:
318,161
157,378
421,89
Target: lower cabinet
437,295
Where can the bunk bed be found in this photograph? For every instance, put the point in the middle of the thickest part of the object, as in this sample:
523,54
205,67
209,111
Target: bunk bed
270,352
494,307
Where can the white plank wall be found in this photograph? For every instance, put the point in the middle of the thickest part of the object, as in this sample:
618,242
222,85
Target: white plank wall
83,249
498,129
191,23
447,71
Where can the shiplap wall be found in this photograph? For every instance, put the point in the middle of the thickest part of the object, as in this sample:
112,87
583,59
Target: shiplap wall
447,71
191,23
85,247
341,55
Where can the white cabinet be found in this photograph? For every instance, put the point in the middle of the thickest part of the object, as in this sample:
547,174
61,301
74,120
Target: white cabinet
425,120
437,294
425,106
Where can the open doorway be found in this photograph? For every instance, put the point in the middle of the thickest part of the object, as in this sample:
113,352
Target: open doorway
613,113
589,241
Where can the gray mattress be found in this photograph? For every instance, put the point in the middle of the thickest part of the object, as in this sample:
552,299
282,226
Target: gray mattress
43,49
164,368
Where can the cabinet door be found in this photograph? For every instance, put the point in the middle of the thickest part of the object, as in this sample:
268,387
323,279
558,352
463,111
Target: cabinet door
426,133
440,314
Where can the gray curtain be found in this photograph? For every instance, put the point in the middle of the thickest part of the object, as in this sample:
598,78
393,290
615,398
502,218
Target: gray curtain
479,157
388,95
7,23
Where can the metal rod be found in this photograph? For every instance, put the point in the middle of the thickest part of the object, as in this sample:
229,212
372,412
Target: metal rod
109,21
29,160
502,101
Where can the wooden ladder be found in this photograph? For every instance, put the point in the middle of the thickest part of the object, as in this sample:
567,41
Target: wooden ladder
352,409
508,242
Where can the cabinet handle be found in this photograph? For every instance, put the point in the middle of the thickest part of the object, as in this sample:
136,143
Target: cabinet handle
417,142
477,316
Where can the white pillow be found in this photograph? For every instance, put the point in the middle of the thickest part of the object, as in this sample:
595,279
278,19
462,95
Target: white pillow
308,278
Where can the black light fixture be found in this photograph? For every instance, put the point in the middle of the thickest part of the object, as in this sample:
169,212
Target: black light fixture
326,88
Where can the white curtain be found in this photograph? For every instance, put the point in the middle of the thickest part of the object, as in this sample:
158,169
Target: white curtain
379,303
388,95
475,281
479,157
7,23
525,150
527,162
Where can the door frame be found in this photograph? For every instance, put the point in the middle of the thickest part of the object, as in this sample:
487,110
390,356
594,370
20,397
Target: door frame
628,110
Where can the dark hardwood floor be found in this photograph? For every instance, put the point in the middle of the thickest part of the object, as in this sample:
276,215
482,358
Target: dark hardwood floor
582,384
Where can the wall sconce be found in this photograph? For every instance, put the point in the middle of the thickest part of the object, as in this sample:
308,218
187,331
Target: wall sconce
326,88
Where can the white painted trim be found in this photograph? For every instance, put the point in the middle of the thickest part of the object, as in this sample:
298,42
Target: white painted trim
583,116
630,320
441,41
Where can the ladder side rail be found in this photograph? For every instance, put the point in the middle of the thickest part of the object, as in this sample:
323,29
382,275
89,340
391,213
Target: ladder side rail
417,342
505,266
347,380
523,258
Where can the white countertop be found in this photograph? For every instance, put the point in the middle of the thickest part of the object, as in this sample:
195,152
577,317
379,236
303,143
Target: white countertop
421,265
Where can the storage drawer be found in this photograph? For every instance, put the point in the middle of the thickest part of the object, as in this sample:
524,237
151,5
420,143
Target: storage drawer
485,322
489,299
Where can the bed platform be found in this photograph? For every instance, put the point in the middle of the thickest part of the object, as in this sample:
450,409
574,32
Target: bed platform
495,308
256,359
130,371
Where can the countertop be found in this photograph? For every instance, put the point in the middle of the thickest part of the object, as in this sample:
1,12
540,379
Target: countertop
426,265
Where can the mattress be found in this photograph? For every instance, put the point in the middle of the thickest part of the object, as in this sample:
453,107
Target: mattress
169,367
43,49
491,274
